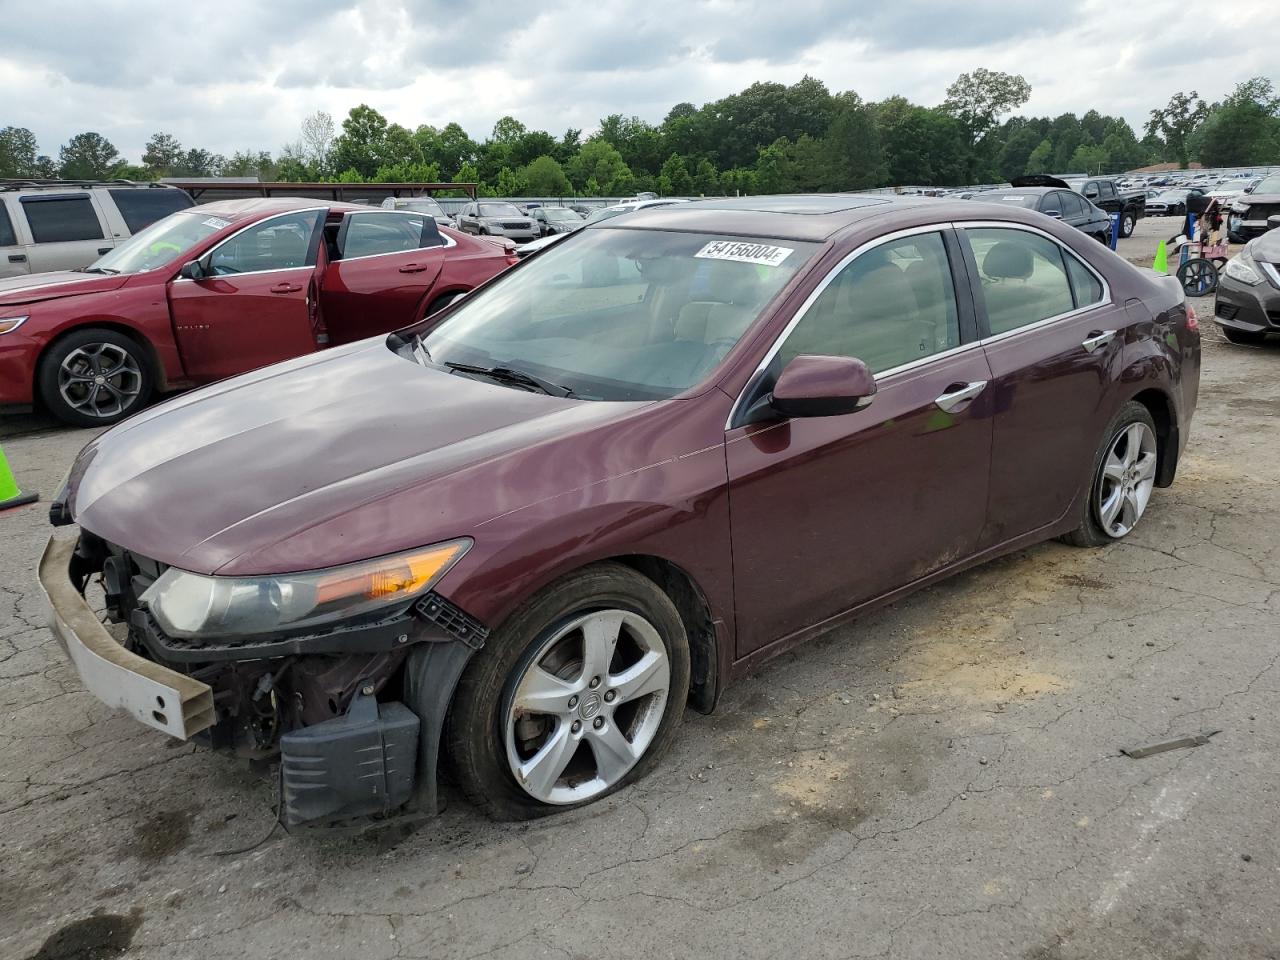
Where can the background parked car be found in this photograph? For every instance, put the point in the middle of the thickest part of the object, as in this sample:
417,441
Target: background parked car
1061,204
556,220
420,205
1249,213
1104,194
495,218
68,224
1247,305
1172,203
224,288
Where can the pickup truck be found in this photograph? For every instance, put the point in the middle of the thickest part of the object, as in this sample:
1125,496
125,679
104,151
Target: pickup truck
1101,192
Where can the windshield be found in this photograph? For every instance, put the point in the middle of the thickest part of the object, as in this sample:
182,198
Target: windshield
1027,200
161,243
620,314
561,213
421,205
499,210
1270,184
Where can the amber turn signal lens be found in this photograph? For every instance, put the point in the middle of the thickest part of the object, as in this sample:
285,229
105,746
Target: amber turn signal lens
404,574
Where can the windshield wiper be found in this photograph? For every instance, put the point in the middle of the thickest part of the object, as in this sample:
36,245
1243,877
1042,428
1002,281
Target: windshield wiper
108,270
509,375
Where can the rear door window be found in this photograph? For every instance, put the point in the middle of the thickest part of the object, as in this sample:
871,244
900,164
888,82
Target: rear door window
376,234
62,218
141,208
7,237
1023,277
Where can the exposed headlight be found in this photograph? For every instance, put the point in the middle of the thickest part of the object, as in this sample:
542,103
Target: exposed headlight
1241,267
193,605
9,324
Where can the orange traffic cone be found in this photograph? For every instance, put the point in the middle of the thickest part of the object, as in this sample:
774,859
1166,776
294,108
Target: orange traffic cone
10,495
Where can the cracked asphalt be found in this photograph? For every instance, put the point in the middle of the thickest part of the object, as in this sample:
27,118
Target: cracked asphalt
940,779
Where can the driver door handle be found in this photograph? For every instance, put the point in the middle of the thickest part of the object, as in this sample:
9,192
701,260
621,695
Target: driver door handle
959,394
286,288
1096,339
413,268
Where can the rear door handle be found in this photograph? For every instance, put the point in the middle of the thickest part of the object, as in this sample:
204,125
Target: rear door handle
1096,339
959,395
286,288
105,249
413,268
17,258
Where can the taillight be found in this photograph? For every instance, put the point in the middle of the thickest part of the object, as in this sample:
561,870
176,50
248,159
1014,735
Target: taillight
1193,322
511,259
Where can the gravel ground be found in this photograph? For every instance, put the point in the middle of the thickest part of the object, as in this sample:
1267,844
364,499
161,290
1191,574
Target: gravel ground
940,779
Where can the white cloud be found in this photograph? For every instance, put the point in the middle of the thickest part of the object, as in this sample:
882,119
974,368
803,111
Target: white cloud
244,77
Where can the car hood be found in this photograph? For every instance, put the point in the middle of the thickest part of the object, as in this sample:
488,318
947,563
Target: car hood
1266,247
343,455
1245,199
52,286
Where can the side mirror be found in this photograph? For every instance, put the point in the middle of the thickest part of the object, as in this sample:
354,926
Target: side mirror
192,270
811,386
1273,223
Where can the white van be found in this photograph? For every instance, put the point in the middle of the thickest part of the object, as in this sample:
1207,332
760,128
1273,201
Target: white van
67,224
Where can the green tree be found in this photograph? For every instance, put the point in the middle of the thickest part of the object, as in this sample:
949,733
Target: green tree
854,158
1017,149
600,161
903,129
1175,121
675,179
980,98
360,146
1088,158
18,152
162,154
249,163
88,156
706,181
544,177
1242,130
1040,157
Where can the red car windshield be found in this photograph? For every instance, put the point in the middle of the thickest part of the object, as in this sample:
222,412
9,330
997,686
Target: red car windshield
620,314
161,243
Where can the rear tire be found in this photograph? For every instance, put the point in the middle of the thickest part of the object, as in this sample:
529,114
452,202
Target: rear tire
1127,222
1118,441
94,377
489,737
1243,337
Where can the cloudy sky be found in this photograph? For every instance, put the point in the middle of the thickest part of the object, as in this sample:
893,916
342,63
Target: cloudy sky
241,74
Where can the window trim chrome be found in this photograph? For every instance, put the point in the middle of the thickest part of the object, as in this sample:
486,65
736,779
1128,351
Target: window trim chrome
957,225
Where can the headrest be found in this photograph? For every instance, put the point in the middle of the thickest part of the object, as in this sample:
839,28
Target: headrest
1008,261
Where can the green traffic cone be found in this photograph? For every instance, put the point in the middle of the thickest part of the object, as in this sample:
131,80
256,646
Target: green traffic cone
1162,260
10,495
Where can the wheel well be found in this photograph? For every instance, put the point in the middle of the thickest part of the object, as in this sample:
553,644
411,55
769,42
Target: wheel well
149,351
696,614
1157,404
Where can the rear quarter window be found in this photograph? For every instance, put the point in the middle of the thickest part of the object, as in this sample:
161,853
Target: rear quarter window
141,208
62,219
7,238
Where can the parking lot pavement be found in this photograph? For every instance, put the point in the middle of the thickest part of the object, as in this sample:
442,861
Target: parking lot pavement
940,779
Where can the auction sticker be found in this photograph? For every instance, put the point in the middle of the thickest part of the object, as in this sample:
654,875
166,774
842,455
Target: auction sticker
743,252
215,223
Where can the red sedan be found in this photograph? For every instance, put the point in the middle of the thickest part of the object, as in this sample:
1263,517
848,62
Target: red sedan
221,289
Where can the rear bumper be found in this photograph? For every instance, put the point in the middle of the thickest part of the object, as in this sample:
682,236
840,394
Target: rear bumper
157,696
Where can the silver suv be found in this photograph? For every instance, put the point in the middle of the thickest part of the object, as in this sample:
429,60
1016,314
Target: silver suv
420,205
498,219
68,224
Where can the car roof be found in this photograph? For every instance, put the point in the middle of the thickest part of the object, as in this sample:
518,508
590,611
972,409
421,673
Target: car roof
257,207
812,217
1022,191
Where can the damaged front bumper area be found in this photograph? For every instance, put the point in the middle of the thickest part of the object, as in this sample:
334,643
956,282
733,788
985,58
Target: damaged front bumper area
353,715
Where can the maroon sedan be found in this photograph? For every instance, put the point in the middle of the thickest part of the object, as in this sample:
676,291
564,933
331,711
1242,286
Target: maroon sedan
221,289
532,528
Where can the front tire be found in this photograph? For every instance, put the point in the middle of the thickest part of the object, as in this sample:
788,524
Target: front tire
579,693
94,377
1123,478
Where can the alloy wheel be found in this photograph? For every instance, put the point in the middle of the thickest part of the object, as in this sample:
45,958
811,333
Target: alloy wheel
587,706
1126,479
100,380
